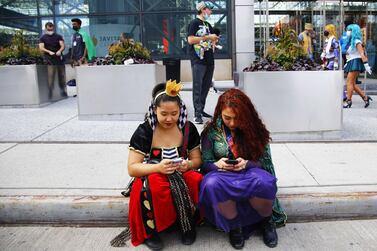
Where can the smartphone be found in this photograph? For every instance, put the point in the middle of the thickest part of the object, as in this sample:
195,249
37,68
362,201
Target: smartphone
231,161
176,161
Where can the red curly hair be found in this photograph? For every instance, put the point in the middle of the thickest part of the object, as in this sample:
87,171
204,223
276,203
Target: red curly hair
251,136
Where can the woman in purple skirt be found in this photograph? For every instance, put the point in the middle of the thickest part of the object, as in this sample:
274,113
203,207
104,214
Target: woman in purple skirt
239,186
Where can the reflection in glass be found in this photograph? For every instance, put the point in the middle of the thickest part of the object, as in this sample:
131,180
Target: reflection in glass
71,7
167,34
18,8
29,27
98,6
46,7
179,5
104,30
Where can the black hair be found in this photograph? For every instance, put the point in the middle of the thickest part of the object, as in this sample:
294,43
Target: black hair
163,97
347,22
76,20
49,24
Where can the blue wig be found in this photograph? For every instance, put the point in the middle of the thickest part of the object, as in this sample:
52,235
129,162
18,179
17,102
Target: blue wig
356,34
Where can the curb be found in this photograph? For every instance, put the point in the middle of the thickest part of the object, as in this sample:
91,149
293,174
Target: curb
113,210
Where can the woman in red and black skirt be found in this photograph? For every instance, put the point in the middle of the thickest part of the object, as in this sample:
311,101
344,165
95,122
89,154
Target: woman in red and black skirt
164,154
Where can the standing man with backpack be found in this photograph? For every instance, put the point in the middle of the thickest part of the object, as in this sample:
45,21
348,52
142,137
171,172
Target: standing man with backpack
201,38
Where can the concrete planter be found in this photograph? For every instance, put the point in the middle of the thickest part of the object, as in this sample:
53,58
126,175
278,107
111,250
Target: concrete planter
116,92
25,85
298,105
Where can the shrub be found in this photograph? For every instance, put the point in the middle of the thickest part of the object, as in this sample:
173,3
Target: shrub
20,53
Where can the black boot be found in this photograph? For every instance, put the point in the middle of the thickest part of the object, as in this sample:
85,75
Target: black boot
270,237
236,238
189,237
154,242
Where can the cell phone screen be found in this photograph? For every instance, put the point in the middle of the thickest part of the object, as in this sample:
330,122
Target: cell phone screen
176,161
231,161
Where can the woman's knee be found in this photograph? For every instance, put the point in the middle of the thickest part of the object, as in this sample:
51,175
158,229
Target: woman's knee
210,182
266,188
158,182
262,206
193,177
265,211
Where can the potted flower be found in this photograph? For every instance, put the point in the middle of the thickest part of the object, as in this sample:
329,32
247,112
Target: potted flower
23,74
294,97
119,85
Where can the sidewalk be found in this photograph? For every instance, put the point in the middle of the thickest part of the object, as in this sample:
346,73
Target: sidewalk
59,122
57,169
316,236
81,183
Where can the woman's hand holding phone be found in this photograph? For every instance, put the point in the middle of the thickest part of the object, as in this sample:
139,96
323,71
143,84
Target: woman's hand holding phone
166,166
223,165
240,165
183,166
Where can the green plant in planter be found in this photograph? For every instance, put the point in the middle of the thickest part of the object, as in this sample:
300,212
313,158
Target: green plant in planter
20,53
129,49
286,50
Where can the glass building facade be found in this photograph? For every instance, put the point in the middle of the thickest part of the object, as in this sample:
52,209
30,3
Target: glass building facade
319,13
161,25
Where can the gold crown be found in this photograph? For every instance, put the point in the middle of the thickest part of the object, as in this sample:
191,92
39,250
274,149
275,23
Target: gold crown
173,88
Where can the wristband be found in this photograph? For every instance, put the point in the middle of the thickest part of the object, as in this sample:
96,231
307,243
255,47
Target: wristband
190,164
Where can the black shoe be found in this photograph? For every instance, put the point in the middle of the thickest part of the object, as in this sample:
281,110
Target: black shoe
198,120
206,115
189,237
348,103
236,238
270,237
358,82
154,242
366,100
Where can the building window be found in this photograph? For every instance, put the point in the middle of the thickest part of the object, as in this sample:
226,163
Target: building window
161,25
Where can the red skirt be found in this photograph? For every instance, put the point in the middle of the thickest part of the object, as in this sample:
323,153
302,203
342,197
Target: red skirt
163,207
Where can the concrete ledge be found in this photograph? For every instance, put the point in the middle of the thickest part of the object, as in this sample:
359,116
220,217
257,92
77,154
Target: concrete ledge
112,210
98,210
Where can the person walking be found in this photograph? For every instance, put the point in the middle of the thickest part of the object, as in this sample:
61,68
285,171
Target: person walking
52,44
201,38
330,52
357,62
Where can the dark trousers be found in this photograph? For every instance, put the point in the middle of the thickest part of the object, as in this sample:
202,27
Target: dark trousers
51,70
201,82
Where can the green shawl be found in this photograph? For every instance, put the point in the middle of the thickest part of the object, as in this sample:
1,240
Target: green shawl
91,49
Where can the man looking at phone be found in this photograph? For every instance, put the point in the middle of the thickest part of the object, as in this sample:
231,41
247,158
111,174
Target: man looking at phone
201,38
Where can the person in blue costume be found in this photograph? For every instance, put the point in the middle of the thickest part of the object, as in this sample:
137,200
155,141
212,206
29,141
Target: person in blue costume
357,62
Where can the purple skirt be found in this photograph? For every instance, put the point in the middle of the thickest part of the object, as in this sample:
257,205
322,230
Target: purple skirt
218,187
